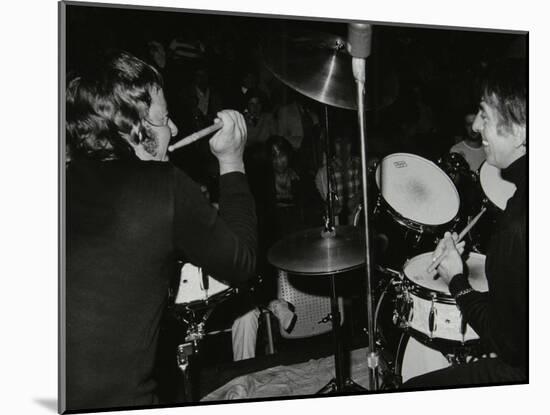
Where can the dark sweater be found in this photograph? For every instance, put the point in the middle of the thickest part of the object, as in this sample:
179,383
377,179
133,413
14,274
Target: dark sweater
500,315
127,224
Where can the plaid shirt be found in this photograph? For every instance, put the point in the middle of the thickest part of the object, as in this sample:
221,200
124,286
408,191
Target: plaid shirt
346,182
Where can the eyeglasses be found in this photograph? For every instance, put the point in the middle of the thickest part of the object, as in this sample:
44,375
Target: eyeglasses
165,121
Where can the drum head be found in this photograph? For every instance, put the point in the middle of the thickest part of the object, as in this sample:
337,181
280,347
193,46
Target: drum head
494,186
416,271
417,189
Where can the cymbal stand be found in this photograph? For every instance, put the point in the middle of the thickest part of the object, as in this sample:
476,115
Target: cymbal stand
331,192
340,383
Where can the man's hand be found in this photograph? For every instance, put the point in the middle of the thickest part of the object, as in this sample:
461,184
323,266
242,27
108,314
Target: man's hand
451,263
227,145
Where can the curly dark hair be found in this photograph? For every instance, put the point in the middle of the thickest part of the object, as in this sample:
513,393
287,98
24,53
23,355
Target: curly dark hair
106,104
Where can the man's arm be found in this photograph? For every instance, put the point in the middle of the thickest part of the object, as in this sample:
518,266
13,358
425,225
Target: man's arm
225,244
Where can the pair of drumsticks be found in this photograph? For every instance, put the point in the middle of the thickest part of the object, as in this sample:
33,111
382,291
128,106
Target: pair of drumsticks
436,261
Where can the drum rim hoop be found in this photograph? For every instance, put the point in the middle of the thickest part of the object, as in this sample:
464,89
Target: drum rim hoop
215,297
411,224
438,343
428,294
425,292
445,175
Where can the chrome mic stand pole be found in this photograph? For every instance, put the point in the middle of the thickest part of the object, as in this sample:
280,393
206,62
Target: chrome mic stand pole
359,38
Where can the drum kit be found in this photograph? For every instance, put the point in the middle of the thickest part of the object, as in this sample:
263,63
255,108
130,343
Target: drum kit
415,196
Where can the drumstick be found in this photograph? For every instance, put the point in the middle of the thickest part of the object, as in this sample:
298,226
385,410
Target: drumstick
196,136
436,261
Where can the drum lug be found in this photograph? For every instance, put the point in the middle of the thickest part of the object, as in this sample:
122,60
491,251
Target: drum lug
403,314
377,206
431,319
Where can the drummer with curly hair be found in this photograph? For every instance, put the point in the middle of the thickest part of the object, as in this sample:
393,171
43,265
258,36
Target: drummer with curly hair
499,316
130,217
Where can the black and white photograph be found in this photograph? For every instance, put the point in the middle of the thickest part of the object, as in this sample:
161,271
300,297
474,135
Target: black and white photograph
264,207
274,207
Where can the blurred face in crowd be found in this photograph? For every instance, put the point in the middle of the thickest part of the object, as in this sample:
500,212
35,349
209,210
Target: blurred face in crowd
342,149
502,144
279,160
254,106
158,53
468,127
160,127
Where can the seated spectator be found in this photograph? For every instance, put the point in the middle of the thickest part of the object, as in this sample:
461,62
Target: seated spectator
346,180
469,144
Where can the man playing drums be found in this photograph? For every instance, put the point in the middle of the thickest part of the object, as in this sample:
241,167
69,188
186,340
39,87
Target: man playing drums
500,315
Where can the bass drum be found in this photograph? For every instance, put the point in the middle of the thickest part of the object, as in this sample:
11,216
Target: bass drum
415,359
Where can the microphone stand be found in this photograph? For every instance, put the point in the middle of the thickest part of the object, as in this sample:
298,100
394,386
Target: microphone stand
357,31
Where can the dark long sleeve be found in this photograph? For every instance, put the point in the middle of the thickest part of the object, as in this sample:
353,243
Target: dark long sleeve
500,316
224,242
127,223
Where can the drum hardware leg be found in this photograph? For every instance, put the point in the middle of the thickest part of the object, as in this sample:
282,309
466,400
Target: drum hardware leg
195,332
340,383
270,344
184,352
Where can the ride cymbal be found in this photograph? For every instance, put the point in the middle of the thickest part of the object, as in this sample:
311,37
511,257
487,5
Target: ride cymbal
314,252
319,66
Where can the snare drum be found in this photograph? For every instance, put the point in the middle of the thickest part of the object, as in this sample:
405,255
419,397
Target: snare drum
197,289
427,309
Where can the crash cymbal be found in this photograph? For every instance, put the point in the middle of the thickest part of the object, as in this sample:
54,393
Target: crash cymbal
314,252
319,66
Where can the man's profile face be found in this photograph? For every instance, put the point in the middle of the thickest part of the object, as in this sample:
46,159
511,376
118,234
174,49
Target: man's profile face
498,142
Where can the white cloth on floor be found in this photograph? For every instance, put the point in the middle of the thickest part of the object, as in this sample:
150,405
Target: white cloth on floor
294,380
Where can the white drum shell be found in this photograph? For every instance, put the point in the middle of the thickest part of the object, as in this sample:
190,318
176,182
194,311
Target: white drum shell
419,359
191,288
431,297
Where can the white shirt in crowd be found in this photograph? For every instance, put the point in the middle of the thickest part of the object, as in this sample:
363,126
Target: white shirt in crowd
474,156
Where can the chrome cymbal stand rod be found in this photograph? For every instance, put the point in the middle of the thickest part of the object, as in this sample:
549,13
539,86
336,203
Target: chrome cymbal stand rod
330,220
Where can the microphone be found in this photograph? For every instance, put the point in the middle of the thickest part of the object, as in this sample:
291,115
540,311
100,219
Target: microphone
359,47
359,39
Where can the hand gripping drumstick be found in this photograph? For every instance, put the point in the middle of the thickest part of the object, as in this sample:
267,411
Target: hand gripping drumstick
196,136
436,261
